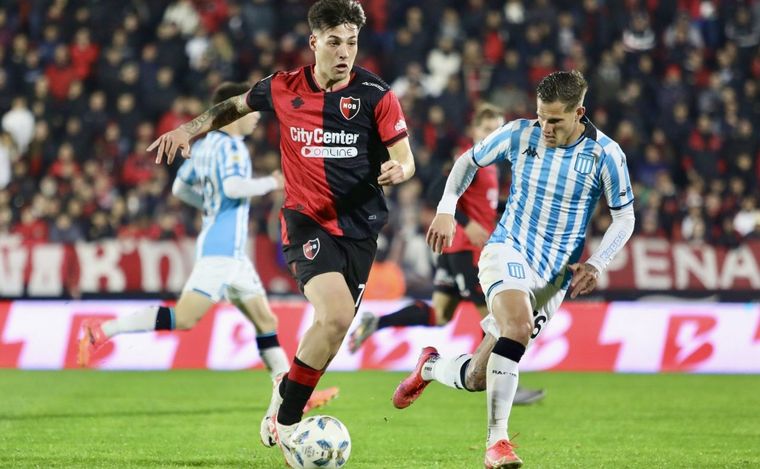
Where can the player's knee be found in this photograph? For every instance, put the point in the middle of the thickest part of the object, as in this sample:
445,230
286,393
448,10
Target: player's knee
339,323
519,330
336,322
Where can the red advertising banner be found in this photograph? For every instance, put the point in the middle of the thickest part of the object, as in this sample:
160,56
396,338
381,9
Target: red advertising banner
140,266
620,337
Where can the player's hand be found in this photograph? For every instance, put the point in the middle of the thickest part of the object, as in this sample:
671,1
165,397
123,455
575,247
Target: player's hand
584,279
476,233
391,172
277,175
169,143
441,232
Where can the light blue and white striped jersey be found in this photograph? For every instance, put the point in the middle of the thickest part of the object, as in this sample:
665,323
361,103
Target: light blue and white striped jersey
216,157
554,191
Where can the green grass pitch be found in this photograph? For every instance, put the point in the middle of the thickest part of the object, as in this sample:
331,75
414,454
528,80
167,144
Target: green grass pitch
211,419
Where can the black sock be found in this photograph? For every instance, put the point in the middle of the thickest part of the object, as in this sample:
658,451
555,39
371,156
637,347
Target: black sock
302,379
165,319
509,348
283,385
264,342
418,313
463,375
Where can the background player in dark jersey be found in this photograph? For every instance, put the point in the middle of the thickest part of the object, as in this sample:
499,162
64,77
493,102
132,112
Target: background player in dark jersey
342,137
456,276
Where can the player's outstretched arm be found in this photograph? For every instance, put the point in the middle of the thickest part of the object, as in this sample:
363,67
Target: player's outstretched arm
400,166
238,187
218,116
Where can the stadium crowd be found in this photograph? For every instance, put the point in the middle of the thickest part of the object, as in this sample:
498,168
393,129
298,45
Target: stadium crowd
85,86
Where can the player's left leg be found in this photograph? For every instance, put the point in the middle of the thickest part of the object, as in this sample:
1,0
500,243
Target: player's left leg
456,372
257,310
333,312
247,293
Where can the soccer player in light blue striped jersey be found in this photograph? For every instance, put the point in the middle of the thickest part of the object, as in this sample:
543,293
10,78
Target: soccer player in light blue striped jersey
218,181
561,166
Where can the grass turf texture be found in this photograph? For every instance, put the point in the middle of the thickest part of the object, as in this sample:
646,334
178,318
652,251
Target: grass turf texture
211,419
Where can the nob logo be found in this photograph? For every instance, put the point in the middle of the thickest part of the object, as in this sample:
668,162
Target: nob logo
349,107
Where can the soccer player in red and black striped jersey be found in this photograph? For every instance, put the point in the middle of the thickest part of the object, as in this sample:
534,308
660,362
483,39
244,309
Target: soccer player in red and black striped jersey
343,137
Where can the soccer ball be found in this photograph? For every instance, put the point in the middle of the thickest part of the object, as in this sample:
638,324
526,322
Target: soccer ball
321,441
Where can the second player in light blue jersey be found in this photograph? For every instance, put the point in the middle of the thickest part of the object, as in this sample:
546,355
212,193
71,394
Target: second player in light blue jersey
218,181
561,166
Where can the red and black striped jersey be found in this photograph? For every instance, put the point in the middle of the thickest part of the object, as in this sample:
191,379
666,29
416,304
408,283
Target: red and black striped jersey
332,145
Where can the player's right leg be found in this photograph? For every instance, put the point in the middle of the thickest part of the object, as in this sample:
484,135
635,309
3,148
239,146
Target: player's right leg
449,286
417,313
96,332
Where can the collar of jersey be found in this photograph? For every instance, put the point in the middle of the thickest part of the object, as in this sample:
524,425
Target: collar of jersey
309,73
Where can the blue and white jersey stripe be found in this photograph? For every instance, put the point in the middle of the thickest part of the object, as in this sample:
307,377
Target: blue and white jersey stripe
216,157
554,191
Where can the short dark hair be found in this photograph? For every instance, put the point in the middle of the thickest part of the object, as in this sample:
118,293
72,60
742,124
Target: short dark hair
326,14
486,111
568,88
227,90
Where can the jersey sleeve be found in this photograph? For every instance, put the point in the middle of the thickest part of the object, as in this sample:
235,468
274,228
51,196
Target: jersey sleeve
390,120
259,97
235,159
615,178
495,147
186,173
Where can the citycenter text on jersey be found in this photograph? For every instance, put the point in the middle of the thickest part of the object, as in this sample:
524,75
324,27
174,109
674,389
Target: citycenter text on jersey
318,136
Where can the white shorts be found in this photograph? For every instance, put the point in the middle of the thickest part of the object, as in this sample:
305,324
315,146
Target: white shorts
502,267
224,277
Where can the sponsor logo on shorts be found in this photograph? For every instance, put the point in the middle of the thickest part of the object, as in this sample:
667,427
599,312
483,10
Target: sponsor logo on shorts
349,107
311,248
515,270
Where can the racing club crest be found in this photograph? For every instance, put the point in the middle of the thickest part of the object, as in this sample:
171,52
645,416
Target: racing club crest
349,107
311,248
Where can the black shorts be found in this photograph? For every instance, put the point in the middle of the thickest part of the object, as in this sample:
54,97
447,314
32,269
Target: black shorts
312,251
457,275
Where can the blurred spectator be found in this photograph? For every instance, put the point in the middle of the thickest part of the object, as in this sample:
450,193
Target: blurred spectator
83,54
19,123
65,230
60,73
745,220
8,152
182,13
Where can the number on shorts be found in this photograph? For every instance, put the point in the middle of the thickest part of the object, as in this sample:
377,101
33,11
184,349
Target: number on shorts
362,287
538,322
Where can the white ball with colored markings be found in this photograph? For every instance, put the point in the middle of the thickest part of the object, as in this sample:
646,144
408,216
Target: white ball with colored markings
321,441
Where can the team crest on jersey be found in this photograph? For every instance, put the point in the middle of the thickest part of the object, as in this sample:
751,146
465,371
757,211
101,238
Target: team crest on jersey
311,248
349,107
584,163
